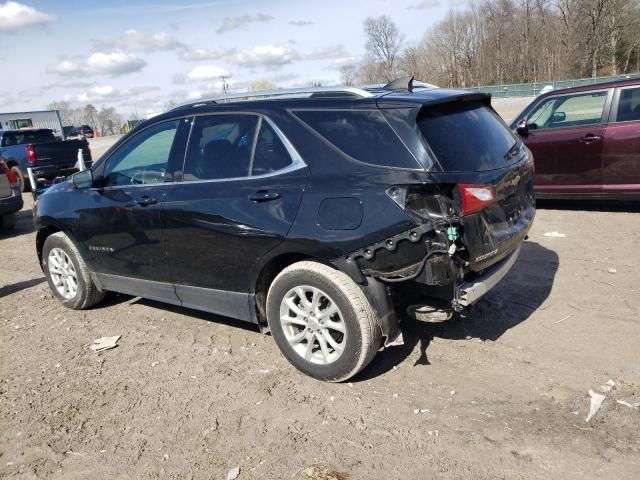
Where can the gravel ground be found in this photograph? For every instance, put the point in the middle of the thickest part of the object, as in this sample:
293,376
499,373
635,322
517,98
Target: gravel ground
501,393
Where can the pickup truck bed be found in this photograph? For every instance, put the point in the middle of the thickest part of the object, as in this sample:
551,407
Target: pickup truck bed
38,149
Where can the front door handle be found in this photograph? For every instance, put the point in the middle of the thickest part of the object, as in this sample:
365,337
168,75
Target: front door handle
590,138
264,196
146,200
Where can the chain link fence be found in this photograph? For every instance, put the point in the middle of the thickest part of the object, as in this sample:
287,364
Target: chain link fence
533,89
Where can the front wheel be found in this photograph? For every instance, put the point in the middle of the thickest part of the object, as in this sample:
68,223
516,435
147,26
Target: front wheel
67,274
322,321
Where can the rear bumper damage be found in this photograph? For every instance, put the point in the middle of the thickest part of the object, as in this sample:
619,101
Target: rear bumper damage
422,266
469,292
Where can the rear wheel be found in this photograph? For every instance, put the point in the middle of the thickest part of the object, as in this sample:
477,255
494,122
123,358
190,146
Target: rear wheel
322,321
24,187
67,274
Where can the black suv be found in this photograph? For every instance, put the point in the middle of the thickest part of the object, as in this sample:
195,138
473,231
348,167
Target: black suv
321,215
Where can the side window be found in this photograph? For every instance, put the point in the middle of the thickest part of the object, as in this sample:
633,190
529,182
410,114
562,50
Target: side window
628,105
142,160
362,134
568,111
270,154
220,147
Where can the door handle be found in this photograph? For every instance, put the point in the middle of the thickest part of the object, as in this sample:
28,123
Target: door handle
264,196
145,200
590,138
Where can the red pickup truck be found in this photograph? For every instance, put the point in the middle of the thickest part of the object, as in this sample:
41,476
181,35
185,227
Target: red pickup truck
585,141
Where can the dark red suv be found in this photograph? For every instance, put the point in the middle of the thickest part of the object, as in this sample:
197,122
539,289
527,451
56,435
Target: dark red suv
585,141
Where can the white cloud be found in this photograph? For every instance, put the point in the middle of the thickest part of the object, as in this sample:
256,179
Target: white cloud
327,53
65,67
301,23
206,72
111,63
115,63
199,54
134,40
108,93
425,4
14,16
233,23
267,56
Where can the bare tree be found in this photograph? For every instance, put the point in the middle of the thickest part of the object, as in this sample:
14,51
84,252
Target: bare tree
383,44
262,84
348,73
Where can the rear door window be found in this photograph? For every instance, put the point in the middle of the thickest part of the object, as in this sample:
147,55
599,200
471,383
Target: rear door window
220,147
466,136
363,135
270,155
628,105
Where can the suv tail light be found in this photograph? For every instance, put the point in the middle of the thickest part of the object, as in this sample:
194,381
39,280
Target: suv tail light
31,154
11,177
475,197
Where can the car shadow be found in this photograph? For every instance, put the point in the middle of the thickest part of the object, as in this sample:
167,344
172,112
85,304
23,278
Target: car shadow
113,298
16,287
24,225
510,303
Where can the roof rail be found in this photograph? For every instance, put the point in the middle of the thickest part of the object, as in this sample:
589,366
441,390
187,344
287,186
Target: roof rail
311,92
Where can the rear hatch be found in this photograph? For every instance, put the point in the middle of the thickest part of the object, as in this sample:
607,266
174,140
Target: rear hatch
487,171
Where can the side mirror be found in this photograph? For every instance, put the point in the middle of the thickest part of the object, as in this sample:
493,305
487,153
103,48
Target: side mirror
522,128
83,179
558,117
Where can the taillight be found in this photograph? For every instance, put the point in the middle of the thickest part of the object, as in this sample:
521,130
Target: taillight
31,154
11,177
475,197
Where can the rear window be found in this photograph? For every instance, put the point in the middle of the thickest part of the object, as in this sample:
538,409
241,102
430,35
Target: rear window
362,134
466,136
21,138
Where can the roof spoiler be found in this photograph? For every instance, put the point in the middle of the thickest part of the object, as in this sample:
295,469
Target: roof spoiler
400,84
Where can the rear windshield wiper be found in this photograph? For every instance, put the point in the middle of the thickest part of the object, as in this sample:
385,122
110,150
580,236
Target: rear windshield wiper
514,150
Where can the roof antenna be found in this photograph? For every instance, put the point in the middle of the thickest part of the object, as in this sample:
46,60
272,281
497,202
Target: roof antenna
400,84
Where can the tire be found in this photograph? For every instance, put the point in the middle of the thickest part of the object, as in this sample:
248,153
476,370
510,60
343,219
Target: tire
340,303
8,222
86,293
24,187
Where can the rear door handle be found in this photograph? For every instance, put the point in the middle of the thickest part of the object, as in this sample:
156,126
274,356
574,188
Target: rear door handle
264,196
590,138
146,200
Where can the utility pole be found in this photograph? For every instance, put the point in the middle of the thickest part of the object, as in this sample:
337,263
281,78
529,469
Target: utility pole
225,86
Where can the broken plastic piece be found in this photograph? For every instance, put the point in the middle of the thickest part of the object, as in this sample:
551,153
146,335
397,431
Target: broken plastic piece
104,343
596,403
554,235
233,473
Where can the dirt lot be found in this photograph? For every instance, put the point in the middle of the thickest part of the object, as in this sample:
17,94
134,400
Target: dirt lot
499,394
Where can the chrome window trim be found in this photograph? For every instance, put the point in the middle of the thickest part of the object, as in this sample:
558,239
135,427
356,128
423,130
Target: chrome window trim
297,163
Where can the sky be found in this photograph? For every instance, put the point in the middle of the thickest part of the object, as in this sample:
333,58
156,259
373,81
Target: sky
138,55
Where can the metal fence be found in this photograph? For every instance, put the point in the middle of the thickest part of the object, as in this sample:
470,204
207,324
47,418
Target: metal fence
533,89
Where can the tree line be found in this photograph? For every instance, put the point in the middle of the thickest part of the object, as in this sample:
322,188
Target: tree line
106,121
506,41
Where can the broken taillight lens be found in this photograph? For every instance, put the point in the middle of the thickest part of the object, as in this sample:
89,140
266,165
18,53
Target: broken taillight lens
475,197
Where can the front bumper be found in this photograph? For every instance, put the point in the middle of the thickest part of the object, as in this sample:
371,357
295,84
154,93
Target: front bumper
468,293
